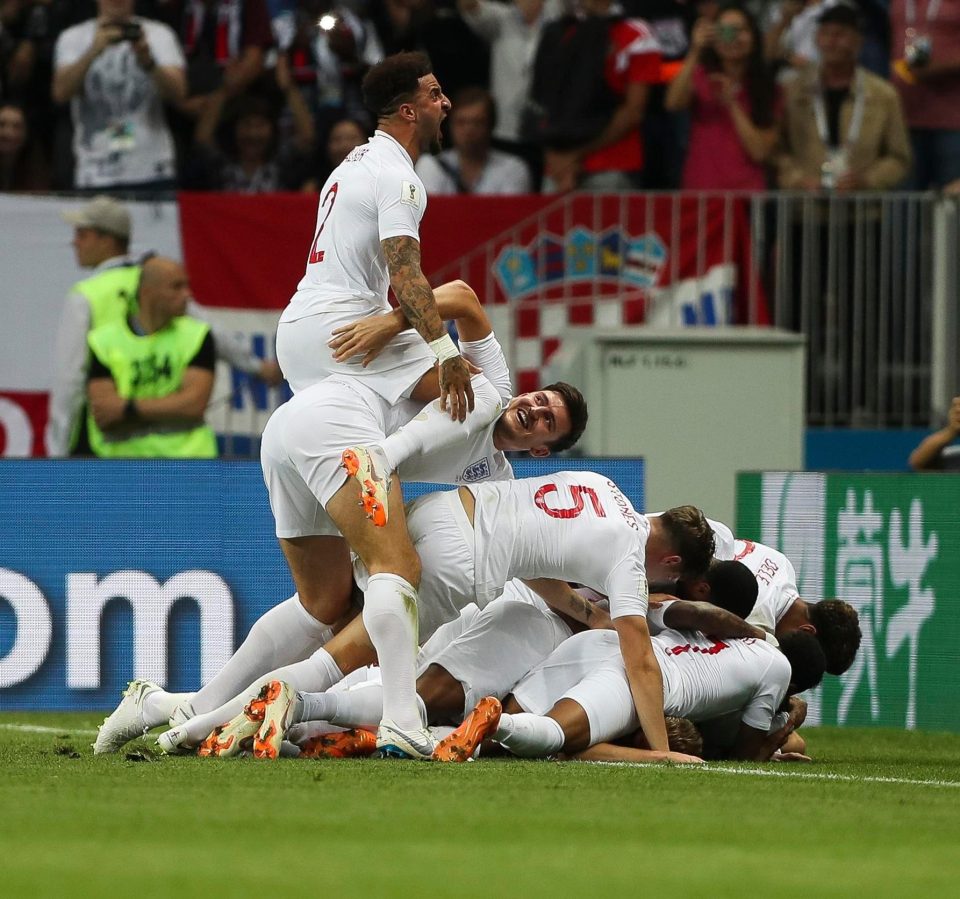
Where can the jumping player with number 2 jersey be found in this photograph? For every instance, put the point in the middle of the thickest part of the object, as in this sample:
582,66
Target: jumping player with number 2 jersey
366,241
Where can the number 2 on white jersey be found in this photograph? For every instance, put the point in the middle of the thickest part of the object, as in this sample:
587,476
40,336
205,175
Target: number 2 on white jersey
577,493
329,198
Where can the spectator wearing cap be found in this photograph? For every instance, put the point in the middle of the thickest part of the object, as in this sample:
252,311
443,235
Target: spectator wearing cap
843,127
117,71
101,242
925,47
725,84
472,166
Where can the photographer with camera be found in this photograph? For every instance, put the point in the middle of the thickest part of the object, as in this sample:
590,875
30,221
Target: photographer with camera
925,51
116,71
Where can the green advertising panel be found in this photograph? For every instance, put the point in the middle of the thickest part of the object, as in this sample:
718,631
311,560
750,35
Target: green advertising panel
890,546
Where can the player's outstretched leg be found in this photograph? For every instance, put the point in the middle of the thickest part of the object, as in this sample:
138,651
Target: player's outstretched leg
368,468
481,723
127,721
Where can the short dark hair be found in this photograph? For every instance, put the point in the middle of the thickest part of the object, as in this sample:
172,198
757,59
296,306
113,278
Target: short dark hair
838,630
393,81
733,587
683,736
472,96
577,409
806,658
691,537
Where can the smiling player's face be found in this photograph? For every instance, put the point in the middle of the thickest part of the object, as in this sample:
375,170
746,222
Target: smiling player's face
533,421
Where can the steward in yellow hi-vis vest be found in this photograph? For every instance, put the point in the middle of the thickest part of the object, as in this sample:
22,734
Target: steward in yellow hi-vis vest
151,375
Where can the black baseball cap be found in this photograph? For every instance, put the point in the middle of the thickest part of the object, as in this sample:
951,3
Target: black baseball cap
843,12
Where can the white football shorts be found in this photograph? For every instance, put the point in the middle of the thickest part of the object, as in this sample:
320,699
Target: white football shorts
301,449
588,669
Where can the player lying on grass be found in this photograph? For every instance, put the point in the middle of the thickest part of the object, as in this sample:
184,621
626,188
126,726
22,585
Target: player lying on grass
578,697
545,421
482,652
569,526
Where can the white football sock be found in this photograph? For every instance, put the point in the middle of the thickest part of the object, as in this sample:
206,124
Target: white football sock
318,673
433,429
286,633
529,736
160,705
390,617
360,706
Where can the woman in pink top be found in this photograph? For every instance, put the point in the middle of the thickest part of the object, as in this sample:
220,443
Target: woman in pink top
725,84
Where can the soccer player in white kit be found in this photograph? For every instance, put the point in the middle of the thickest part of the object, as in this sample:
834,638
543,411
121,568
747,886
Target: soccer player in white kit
579,696
779,610
569,526
287,633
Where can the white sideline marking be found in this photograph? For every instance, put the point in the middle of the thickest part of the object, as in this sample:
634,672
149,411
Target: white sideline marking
799,775
38,729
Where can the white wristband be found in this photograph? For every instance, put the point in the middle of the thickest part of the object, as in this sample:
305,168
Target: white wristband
444,348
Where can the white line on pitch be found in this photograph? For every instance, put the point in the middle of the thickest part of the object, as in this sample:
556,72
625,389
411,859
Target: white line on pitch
38,729
798,775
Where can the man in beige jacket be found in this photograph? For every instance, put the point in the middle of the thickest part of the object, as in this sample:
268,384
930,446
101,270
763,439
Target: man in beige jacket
843,127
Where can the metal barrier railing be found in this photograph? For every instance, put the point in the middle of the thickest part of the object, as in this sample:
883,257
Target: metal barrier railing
871,279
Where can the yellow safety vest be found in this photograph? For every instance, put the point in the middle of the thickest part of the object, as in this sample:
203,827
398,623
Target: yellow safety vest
149,366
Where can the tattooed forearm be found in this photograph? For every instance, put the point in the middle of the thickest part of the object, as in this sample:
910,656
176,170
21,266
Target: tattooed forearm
580,608
412,289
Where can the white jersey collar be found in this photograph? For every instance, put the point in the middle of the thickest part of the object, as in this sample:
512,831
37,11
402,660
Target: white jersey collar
395,142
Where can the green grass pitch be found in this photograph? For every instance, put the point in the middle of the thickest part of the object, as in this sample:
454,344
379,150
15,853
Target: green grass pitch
878,815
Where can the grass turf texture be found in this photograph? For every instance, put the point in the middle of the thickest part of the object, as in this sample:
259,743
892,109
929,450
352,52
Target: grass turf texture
77,825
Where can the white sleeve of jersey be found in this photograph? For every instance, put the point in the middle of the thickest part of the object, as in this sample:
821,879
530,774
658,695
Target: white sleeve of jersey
722,540
400,204
762,707
487,355
627,588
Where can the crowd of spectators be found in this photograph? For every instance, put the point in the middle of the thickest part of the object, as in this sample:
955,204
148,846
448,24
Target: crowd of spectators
123,96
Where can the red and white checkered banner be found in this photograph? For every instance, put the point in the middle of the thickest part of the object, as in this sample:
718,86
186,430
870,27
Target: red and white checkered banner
544,266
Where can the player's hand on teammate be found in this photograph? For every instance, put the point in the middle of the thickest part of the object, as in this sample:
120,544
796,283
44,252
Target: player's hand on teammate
455,387
366,337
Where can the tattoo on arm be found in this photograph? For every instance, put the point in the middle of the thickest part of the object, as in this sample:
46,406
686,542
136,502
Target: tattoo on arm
411,287
582,609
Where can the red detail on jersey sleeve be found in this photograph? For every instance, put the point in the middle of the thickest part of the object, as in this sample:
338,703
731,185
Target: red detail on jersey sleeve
749,547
